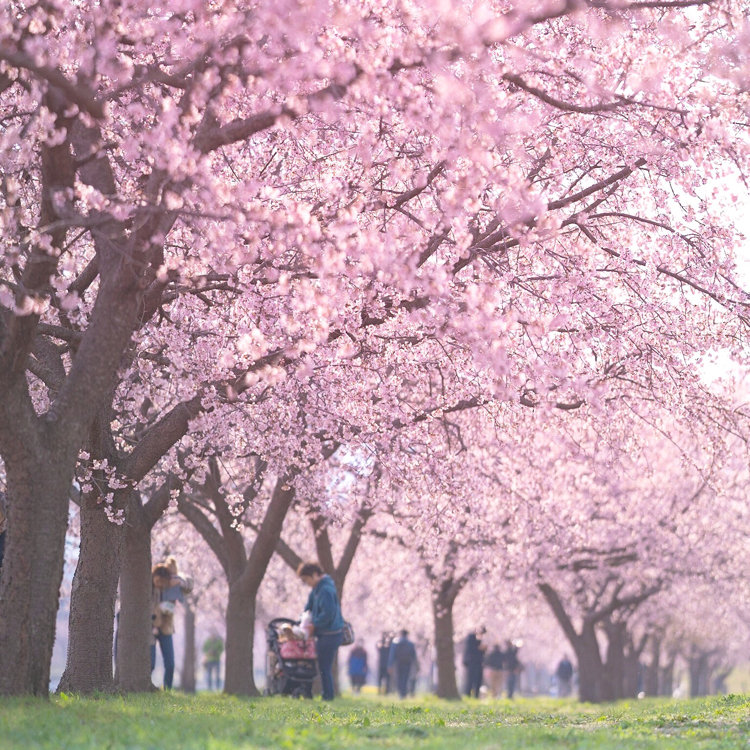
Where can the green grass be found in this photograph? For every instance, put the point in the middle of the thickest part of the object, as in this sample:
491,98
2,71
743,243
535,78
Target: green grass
216,722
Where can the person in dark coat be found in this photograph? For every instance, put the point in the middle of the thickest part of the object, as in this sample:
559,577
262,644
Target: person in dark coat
564,674
384,676
327,620
473,660
512,667
401,661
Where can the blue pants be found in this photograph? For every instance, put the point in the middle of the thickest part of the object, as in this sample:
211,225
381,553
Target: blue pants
328,645
167,654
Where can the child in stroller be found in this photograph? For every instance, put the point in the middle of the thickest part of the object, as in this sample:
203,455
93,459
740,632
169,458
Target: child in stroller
291,663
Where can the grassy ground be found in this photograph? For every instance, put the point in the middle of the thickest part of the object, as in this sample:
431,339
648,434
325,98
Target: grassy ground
216,722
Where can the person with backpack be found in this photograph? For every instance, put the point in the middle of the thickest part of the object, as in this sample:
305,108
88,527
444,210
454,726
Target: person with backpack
327,620
401,661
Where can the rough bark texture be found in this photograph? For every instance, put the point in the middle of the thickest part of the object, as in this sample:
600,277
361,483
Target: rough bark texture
92,603
38,484
239,679
187,675
134,630
442,614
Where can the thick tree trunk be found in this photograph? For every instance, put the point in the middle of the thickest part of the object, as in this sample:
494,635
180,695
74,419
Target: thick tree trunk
134,629
187,677
38,487
614,667
240,678
92,603
591,682
442,615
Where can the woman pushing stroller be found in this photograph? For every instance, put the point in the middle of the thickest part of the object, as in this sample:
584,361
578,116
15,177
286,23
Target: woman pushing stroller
326,621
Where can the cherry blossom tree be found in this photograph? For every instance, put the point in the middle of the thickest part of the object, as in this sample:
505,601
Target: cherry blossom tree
241,198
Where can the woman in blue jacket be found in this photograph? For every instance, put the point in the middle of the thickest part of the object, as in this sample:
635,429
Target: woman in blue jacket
328,623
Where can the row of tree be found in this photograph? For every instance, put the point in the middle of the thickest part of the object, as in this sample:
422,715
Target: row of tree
460,254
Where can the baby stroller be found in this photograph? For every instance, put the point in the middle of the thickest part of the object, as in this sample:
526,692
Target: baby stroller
291,661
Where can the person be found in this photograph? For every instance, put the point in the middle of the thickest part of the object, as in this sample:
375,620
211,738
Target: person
512,667
327,620
564,674
213,648
358,666
168,588
473,660
401,659
384,676
495,664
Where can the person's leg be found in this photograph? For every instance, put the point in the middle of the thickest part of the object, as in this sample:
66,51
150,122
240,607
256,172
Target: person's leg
402,678
327,647
153,656
209,674
511,683
167,652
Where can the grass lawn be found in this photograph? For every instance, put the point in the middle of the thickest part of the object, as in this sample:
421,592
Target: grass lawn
217,722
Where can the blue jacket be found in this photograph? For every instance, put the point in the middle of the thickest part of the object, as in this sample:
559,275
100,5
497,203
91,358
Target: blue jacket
323,603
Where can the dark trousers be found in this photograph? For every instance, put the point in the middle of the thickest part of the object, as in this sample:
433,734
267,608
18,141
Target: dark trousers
328,644
167,654
403,673
213,674
473,679
511,684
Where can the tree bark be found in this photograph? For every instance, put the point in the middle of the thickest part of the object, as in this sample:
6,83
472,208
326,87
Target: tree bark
614,667
38,479
187,676
239,676
591,681
92,602
134,629
442,616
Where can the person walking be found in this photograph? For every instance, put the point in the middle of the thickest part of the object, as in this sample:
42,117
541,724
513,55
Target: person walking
358,666
327,620
512,667
402,659
473,660
564,674
213,648
167,590
384,676
495,663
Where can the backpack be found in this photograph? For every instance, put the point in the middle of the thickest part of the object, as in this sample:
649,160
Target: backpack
403,653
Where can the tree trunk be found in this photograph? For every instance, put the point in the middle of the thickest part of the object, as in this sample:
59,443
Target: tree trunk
187,677
92,602
651,676
38,487
442,615
590,667
134,629
699,673
614,667
239,678
666,677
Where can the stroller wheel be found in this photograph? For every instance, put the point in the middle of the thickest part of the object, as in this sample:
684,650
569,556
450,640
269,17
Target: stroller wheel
299,692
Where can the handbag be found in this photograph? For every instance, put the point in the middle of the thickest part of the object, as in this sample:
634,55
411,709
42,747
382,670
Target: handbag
348,634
